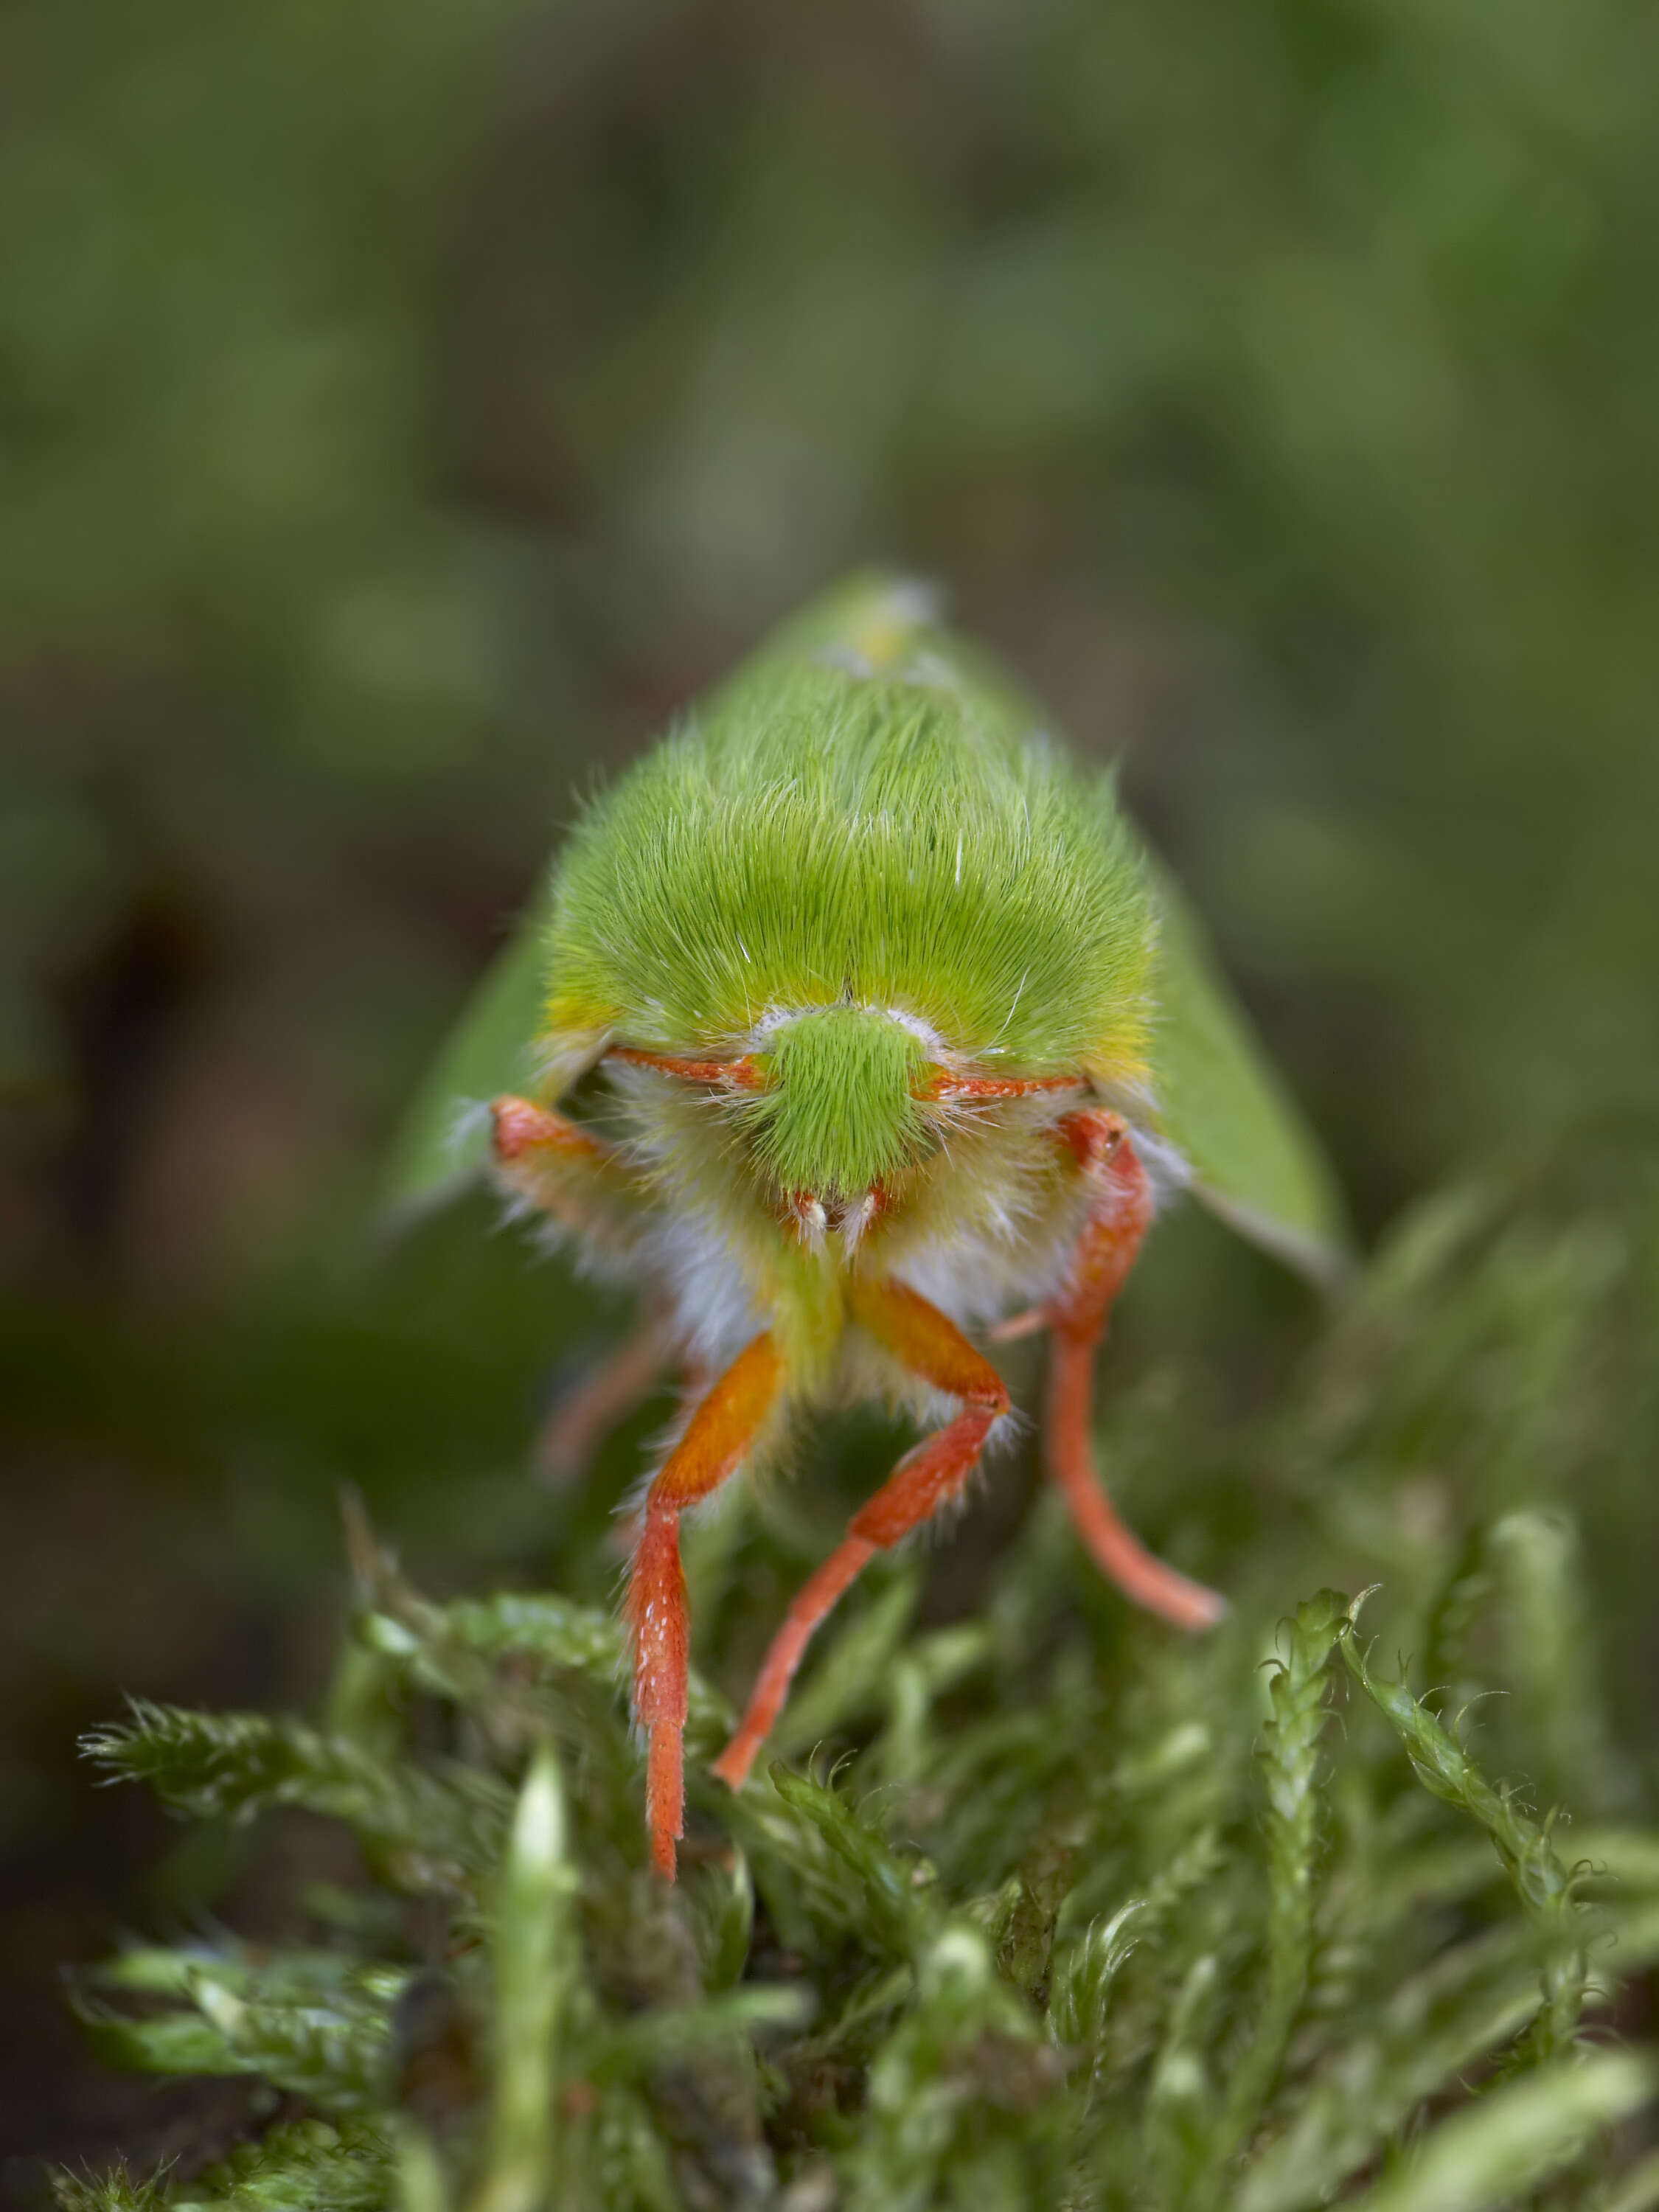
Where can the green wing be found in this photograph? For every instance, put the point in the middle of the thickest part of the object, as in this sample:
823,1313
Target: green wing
1255,1162
439,1147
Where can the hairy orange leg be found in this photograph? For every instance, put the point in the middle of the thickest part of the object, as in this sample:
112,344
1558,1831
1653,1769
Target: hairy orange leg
932,1347
1104,1253
942,1083
717,1438
733,1074
578,1180
566,1172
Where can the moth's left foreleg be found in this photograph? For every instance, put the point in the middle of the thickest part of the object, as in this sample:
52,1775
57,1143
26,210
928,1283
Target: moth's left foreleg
1120,1213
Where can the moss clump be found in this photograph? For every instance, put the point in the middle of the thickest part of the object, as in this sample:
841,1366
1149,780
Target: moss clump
1085,1915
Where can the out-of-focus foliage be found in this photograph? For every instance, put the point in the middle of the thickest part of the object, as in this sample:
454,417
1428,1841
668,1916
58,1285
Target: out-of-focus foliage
1085,1914
403,408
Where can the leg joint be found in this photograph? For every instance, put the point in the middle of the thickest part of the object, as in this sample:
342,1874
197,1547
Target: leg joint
992,1394
518,1128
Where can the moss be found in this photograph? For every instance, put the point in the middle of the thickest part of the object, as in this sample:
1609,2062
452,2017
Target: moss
1051,1907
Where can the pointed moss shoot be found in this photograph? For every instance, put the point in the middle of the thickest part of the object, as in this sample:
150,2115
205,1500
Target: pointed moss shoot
857,1022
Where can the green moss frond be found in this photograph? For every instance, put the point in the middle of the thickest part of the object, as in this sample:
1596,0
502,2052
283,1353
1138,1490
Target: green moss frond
1524,1845
114,2191
344,2166
437,1831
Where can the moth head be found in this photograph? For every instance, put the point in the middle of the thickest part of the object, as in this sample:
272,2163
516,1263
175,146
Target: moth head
838,1112
833,1106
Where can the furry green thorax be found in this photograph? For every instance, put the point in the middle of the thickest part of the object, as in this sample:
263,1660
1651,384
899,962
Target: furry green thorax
839,1111
826,837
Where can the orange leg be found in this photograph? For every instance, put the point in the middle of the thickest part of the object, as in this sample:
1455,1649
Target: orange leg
1103,1256
732,1074
568,1173
717,1439
932,1347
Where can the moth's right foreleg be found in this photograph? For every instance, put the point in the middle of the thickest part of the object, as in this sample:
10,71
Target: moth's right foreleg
719,1437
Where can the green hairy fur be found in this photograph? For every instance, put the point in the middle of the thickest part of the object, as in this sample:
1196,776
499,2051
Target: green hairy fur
826,837
839,1112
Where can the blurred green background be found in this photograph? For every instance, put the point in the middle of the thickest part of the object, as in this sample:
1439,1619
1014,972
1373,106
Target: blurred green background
405,407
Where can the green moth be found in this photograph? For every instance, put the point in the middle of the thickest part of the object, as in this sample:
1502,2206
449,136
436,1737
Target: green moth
856,1022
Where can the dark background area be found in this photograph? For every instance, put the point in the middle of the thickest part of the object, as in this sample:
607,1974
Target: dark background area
405,407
